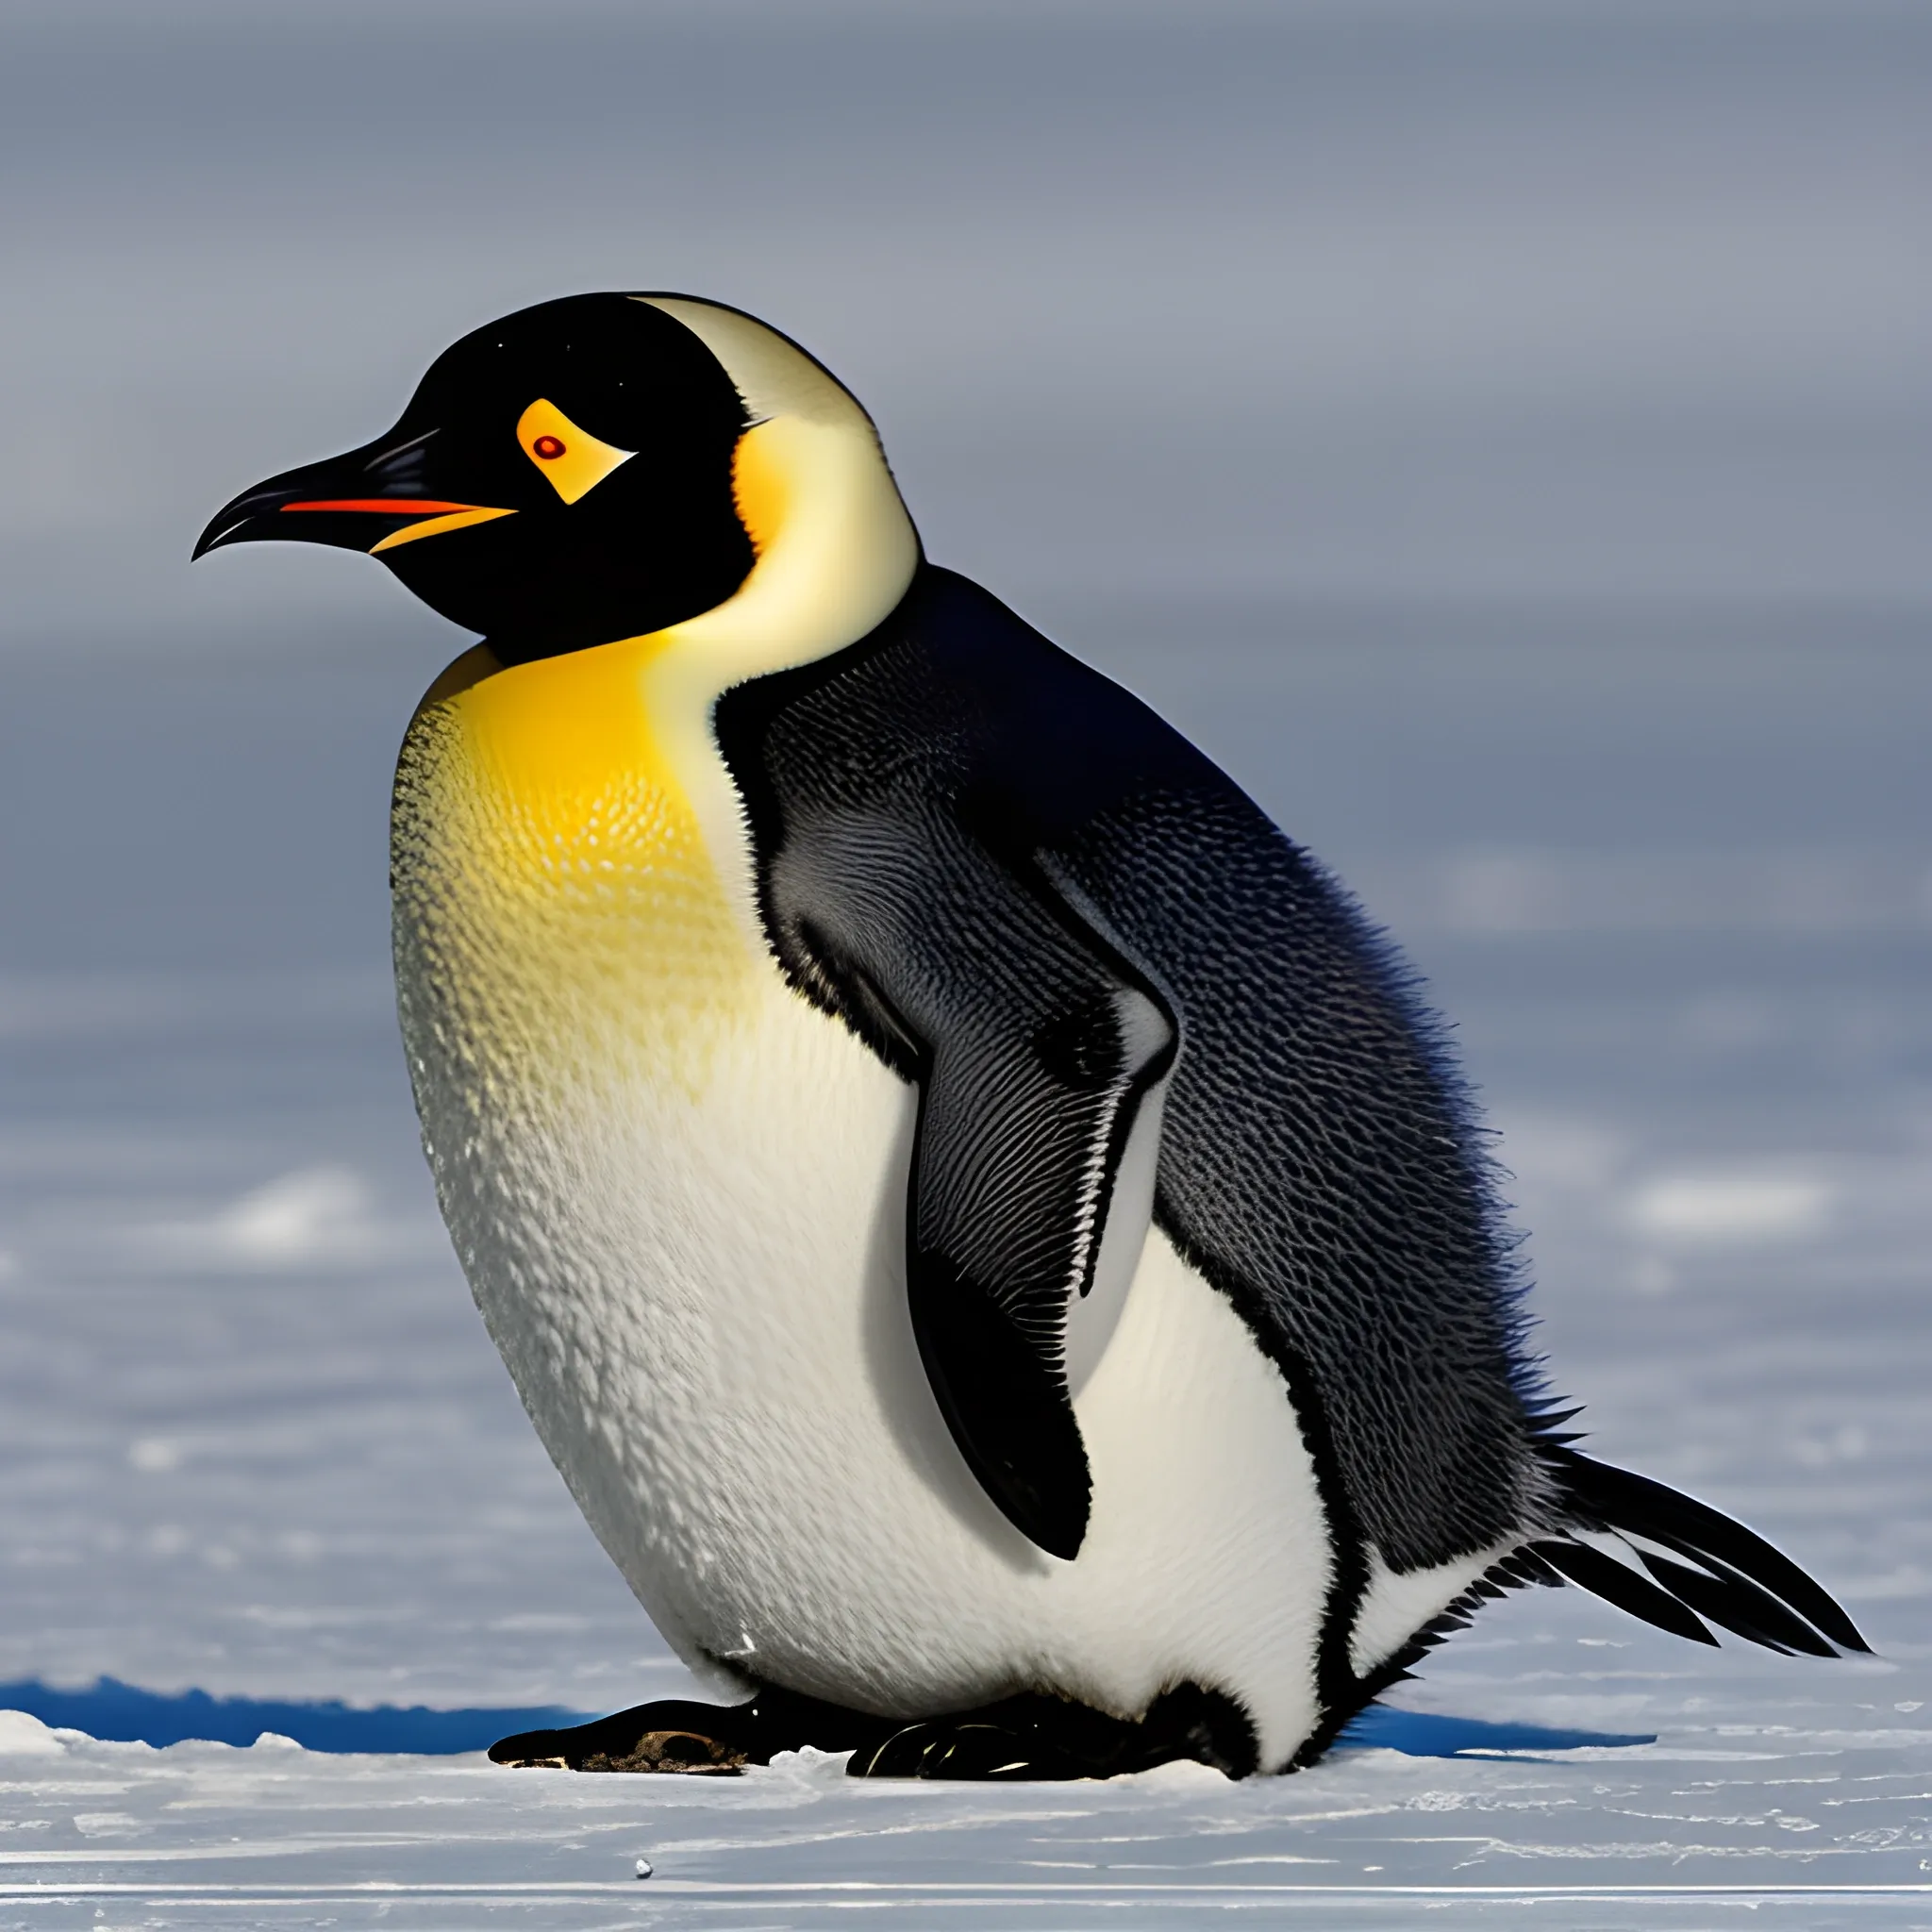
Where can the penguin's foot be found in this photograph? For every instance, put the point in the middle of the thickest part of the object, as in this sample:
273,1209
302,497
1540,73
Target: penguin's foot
1036,1738
1031,1737
670,1736
709,1739
969,1748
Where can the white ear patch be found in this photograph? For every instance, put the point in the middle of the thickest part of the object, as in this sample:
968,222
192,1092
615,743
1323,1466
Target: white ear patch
572,460
836,550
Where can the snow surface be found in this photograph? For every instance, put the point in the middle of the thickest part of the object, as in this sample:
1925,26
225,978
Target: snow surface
254,1440
1815,1820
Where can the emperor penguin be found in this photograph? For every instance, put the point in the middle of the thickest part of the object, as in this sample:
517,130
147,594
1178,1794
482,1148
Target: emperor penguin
987,1232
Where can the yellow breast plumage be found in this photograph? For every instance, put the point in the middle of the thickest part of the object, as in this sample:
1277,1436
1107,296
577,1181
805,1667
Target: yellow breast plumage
551,876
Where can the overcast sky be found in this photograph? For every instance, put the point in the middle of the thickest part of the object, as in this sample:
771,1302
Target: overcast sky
1242,300
1279,357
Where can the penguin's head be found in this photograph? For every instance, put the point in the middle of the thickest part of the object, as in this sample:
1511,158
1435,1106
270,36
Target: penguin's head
601,467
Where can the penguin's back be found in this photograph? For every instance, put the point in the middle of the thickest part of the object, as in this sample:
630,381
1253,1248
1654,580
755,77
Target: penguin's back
1318,1163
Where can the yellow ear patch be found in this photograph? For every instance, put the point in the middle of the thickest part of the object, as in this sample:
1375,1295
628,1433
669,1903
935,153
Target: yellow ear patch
573,461
760,483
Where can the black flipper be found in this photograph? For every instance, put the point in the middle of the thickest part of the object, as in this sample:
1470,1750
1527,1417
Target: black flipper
1033,1044
1739,1580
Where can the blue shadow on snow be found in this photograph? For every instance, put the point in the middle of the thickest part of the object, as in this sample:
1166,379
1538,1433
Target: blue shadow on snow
1420,1734
123,1713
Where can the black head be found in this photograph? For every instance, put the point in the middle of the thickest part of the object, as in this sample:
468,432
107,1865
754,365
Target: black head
560,478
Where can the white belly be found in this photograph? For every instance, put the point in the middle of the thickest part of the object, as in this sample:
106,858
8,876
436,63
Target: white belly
700,1294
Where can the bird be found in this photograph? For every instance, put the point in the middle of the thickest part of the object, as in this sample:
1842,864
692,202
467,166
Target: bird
991,1236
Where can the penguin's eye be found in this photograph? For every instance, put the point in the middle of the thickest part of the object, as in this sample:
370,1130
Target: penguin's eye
572,461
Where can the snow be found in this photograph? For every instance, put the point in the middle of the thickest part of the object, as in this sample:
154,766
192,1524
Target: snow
1814,1820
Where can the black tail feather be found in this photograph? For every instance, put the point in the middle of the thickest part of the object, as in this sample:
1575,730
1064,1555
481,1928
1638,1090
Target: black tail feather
1524,1566
1606,1577
1741,1583
1724,1601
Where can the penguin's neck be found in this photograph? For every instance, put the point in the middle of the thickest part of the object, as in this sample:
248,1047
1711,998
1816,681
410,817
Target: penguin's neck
588,801
835,554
